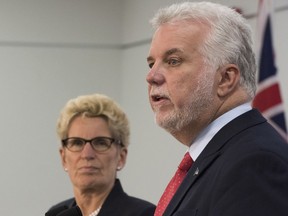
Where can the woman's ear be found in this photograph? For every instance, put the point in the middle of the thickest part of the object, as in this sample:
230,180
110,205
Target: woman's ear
63,158
122,158
229,78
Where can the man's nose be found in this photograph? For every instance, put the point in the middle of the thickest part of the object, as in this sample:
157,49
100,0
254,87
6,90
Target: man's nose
155,76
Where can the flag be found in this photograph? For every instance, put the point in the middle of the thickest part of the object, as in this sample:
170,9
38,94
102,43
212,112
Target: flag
268,97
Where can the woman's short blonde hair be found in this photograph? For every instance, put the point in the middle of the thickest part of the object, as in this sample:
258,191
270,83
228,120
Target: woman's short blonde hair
95,105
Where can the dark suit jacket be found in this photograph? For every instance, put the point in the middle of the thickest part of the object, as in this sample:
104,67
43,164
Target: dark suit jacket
118,203
243,171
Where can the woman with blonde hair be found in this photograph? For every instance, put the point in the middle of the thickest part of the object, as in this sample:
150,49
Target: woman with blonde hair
94,132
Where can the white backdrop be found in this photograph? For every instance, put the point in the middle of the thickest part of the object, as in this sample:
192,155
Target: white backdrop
51,51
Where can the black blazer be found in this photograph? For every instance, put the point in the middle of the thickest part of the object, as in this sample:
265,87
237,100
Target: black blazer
243,171
118,203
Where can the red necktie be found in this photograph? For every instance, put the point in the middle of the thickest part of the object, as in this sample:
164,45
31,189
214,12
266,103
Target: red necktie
173,185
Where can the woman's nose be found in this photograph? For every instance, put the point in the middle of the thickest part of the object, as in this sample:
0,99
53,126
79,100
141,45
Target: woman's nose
88,152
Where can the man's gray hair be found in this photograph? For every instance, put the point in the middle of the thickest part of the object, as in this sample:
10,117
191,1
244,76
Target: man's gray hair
229,40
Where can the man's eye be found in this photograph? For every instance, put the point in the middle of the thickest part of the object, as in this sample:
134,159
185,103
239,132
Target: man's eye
173,62
150,65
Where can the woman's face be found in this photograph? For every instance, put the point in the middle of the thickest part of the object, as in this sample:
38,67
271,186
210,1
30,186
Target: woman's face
90,170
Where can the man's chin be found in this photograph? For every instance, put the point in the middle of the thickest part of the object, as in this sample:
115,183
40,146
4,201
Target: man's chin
167,125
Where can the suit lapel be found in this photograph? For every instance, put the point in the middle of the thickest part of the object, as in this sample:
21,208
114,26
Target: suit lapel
193,174
211,153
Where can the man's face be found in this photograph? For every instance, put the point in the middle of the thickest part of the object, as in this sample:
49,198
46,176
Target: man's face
180,85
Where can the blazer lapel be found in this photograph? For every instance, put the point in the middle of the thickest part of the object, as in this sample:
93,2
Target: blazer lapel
193,174
211,153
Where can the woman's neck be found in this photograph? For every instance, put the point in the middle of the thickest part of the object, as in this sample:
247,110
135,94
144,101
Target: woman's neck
90,201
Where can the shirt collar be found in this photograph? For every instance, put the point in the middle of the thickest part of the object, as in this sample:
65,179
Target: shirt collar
208,133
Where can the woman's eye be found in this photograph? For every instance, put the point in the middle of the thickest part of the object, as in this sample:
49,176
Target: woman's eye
101,142
77,143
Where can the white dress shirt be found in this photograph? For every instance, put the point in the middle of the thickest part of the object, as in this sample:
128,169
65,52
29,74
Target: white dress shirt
207,134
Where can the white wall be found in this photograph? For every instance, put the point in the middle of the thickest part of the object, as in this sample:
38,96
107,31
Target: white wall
51,51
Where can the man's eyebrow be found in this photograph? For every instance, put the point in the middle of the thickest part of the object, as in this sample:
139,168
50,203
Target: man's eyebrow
150,58
172,51
167,53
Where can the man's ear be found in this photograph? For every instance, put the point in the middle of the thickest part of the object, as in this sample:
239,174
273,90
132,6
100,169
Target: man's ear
229,78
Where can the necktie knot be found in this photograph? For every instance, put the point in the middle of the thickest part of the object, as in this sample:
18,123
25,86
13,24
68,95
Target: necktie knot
186,163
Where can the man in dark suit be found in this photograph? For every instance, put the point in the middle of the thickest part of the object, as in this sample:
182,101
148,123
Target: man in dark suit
201,83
